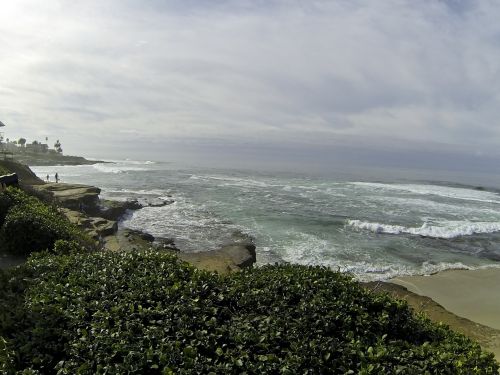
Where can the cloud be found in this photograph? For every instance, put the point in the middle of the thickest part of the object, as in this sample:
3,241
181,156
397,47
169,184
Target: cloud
284,71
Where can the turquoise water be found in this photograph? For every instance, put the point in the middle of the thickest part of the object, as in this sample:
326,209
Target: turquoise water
375,230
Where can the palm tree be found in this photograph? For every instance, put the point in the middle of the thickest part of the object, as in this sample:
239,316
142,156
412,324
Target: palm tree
1,134
57,147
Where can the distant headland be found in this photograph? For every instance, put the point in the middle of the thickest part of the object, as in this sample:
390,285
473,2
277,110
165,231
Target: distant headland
38,153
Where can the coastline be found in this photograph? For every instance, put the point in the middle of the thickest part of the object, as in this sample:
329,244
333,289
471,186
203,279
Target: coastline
471,295
428,294
100,219
463,299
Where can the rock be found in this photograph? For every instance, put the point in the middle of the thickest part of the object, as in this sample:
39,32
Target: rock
114,210
111,243
132,240
95,227
9,180
166,244
24,173
229,258
72,196
154,202
242,255
104,227
142,235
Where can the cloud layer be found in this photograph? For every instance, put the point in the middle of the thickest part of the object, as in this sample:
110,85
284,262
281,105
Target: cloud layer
318,72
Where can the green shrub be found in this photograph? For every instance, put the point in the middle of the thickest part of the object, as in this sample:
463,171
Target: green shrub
147,313
5,204
28,225
64,247
4,171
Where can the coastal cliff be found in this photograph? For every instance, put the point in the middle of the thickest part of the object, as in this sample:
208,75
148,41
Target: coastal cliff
51,159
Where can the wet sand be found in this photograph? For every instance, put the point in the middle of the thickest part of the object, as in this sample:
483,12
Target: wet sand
474,295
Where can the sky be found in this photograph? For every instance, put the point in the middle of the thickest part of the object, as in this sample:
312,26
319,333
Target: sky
385,83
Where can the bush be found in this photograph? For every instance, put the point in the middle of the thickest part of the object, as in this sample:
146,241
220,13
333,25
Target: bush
4,171
147,313
28,225
64,247
5,204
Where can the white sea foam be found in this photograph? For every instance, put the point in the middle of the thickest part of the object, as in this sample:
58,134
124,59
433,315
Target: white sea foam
447,230
118,168
437,190
366,271
156,192
130,161
192,226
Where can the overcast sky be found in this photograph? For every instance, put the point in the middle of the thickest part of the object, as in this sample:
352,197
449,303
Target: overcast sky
392,76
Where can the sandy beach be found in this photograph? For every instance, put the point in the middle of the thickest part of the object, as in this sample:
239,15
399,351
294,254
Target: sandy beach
470,294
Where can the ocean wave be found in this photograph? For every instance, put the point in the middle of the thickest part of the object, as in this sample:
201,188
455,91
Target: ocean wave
155,192
192,226
365,271
386,270
447,230
128,161
118,168
436,190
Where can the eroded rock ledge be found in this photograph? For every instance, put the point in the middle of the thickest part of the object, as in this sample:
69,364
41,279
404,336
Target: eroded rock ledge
99,219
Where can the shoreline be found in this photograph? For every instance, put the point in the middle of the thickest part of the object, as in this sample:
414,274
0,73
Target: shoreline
441,296
471,295
101,220
461,291
466,300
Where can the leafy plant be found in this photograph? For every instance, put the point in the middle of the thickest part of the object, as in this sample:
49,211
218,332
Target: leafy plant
3,171
28,225
148,313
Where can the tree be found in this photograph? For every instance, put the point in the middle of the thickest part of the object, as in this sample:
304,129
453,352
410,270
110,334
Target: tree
57,147
22,141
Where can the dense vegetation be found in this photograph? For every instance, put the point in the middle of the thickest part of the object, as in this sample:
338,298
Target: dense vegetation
3,171
28,225
147,313
71,311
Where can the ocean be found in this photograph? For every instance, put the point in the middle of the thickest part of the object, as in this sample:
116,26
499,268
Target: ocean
375,229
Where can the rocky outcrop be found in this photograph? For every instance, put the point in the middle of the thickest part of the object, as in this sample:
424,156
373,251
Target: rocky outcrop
242,255
40,158
154,202
95,227
165,243
25,175
73,196
229,258
114,210
98,218
9,180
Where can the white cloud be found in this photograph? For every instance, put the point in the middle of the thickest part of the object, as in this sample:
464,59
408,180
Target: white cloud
283,70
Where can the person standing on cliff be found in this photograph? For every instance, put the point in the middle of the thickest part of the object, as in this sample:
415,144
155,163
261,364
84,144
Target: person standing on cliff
48,178
57,177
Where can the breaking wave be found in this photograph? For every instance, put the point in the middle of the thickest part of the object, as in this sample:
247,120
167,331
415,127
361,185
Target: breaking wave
446,230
